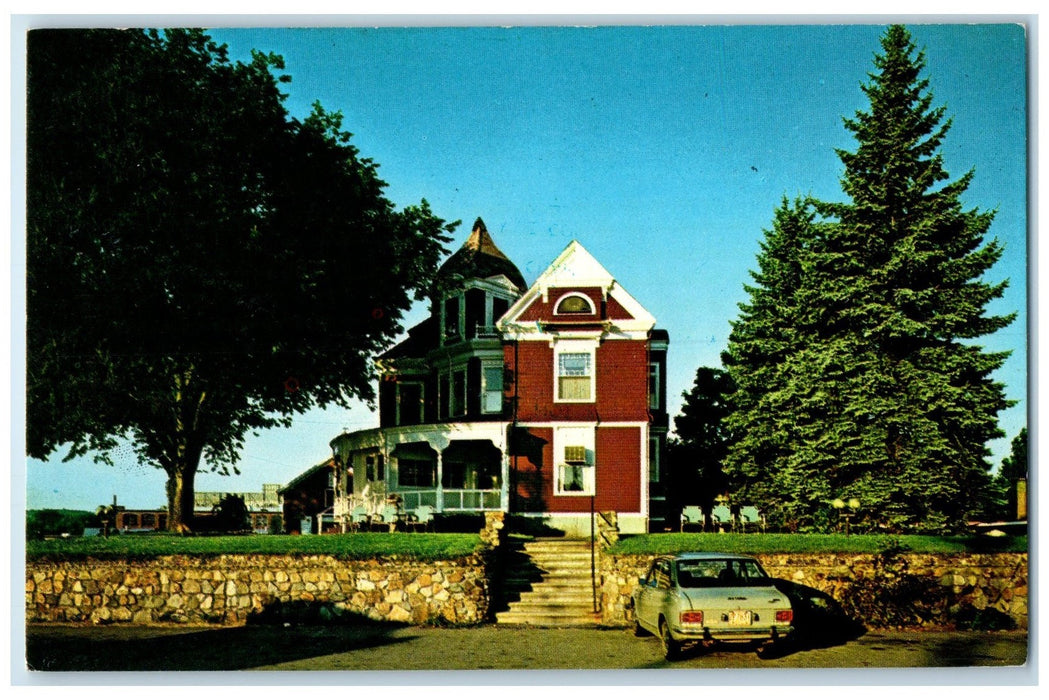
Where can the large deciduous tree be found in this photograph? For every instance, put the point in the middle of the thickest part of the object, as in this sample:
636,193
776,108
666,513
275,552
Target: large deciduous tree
883,395
200,265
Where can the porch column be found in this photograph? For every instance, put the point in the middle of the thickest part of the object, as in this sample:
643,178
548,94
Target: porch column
440,481
504,481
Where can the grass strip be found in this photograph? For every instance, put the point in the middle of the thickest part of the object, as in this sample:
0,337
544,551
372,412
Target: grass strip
781,543
421,546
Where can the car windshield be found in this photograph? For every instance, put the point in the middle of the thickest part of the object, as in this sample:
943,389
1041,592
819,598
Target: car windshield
712,573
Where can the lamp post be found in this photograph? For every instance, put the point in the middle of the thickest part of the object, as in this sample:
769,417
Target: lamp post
846,509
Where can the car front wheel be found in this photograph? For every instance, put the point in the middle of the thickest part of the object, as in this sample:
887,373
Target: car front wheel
671,648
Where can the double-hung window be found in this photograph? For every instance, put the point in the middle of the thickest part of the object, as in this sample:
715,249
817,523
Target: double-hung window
492,396
575,376
574,449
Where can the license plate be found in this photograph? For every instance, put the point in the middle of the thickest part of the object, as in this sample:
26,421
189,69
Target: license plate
739,617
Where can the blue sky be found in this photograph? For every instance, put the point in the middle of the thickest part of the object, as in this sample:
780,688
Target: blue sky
663,150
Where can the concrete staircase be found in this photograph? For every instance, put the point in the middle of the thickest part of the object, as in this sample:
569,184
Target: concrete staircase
547,583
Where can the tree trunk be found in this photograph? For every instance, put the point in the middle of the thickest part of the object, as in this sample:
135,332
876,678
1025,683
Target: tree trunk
181,476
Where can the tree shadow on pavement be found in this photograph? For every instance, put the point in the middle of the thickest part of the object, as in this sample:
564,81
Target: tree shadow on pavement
819,621
128,648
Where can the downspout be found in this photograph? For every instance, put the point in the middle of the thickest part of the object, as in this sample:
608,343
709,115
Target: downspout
512,442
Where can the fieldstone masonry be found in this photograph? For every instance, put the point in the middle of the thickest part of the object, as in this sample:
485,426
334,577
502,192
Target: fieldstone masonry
903,590
881,592
230,589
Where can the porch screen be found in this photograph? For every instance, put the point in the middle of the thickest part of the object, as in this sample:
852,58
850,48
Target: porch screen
573,376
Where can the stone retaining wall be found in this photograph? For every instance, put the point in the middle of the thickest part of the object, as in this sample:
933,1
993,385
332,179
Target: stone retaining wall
880,591
232,589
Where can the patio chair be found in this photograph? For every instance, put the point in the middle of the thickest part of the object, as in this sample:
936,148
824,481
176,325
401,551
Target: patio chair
358,517
692,515
388,516
749,515
722,516
422,517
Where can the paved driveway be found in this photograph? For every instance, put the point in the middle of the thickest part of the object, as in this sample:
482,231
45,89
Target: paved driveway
316,648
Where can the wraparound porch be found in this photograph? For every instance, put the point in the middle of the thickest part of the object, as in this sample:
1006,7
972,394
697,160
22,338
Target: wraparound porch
450,467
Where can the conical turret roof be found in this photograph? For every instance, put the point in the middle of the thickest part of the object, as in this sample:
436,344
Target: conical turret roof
479,258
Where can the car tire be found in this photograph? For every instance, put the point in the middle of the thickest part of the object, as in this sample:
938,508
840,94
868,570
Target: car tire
640,631
671,647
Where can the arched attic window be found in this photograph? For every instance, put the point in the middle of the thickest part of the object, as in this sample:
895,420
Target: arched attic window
574,303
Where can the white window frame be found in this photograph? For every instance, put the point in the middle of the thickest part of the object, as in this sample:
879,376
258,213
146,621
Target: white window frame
570,437
485,367
588,300
575,347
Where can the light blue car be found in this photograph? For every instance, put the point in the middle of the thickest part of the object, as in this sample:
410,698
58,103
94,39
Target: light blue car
709,597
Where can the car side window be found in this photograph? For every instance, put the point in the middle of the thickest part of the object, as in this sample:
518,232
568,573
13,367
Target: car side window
650,577
663,574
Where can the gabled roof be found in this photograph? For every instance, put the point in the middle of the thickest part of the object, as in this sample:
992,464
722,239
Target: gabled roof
478,258
325,465
576,268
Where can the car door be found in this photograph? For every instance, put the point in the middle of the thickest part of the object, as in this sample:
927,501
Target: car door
662,590
646,598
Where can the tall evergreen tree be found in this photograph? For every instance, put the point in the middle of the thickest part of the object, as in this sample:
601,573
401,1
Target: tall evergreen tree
771,329
696,453
891,400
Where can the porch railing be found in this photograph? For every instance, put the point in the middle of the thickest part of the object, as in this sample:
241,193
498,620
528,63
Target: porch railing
454,499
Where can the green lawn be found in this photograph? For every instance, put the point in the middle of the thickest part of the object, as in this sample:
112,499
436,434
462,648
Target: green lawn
431,546
424,546
799,544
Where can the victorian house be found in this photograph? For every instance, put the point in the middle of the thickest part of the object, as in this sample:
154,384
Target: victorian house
545,402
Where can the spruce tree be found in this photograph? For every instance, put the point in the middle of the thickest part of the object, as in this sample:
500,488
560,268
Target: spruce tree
771,329
888,397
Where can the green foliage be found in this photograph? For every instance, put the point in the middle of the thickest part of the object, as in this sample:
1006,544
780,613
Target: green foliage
781,543
854,359
696,453
423,546
1015,466
50,522
199,264
276,525
231,514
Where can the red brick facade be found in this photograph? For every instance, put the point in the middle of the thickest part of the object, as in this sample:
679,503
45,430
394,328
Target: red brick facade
560,383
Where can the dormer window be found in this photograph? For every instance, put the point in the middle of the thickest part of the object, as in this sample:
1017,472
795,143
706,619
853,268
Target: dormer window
574,304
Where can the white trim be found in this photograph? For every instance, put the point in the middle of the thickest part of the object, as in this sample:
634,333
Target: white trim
644,473
576,346
577,295
575,268
581,424
536,331
585,436
491,364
